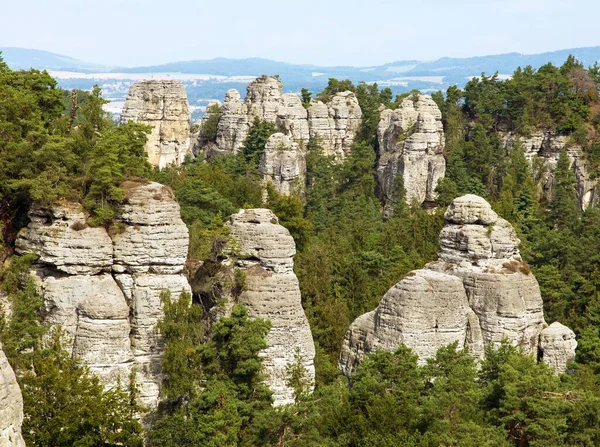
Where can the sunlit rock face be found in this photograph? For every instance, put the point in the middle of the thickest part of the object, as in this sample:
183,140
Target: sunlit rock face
104,290
11,406
411,143
163,105
478,293
262,251
334,124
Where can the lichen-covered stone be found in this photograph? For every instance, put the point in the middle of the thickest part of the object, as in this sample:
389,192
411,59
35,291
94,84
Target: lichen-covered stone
163,105
557,346
11,406
283,164
266,251
411,143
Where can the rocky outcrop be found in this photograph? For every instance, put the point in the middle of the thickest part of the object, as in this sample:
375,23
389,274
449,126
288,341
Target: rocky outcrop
163,105
542,149
557,346
478,293
335,124
411,143
104,290
264,250
283,164
11,406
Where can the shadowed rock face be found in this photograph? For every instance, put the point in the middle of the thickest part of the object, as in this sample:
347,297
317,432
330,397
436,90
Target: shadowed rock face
105,290
477,293
266,256
542,149
163,105
11,406
335,124
411,142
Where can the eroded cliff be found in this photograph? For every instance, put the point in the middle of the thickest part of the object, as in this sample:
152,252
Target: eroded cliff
11,406
163,105
476,294
104,290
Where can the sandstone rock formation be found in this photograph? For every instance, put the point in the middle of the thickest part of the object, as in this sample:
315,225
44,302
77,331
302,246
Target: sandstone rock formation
477,293
542,149
557,346
335,123
283,164
264,252
105,290
163,105
11,406
411,142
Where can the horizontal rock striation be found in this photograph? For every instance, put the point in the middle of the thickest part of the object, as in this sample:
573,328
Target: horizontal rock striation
265,255
478,293
411,143
104,291
11,406
542,149
163,105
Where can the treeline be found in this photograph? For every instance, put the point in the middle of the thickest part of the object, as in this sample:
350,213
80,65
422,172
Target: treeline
55,145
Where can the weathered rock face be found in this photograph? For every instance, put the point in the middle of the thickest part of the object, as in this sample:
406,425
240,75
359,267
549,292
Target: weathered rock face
477,293
404,316
11,406
272,292
335,123
163,105
411,142
557,346
542,149
105,292
283,164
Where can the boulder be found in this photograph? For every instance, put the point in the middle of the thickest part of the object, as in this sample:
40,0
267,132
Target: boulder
161,104
283,164
557,346
11,406
411,143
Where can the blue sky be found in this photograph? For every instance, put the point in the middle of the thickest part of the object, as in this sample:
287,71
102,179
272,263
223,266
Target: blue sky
324,32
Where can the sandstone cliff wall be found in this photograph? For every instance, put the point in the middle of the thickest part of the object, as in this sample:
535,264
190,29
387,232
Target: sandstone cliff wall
411,143
105,290
163,105
11,406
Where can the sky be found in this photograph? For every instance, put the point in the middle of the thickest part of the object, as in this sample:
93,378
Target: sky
321,32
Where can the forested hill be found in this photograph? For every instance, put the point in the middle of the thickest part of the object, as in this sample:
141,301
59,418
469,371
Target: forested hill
60,151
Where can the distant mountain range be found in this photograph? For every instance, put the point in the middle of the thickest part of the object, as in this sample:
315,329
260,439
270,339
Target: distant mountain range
209,79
